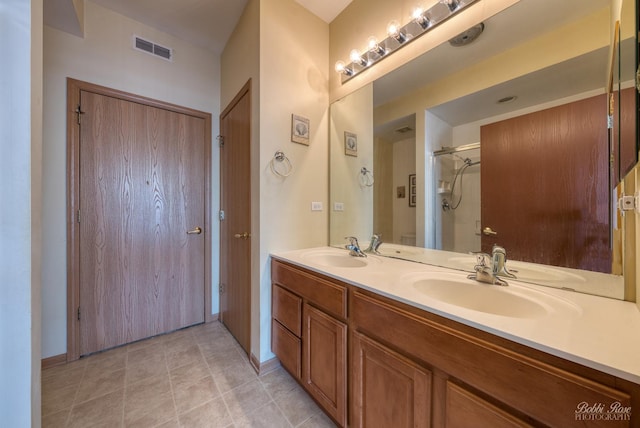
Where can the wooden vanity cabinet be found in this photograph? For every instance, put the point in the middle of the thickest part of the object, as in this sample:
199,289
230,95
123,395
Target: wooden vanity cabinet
407,367
480,379
309,334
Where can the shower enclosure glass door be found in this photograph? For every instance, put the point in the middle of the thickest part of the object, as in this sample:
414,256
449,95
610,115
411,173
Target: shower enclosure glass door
456,183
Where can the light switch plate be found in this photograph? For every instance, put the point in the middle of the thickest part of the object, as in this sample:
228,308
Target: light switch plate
338,206
316,206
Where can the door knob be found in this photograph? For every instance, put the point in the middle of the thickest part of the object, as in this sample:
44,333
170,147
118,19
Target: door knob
244,235
489,232
195,231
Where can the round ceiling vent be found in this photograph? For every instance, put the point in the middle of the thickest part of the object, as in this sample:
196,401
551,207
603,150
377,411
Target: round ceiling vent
467,36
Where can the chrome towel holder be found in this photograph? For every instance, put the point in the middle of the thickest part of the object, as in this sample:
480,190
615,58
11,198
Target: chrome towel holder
366,177
280,158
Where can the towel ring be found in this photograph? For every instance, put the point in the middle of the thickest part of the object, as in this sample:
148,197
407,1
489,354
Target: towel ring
281,158
366,177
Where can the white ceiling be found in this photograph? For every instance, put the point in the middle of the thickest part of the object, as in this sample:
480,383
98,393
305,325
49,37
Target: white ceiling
204,23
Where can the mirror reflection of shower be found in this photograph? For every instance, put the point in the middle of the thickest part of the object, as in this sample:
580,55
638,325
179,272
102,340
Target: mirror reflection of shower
457,193
452,203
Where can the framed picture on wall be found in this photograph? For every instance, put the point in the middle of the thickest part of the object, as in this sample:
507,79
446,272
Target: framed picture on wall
350,144
412,190
299,129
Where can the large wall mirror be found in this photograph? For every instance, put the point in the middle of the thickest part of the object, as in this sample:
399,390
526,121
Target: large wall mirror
502,138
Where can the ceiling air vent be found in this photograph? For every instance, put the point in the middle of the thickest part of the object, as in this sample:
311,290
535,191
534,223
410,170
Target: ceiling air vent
152,48
404,130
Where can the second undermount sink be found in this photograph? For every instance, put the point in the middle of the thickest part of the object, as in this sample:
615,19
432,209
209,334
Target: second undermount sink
512,301
338,258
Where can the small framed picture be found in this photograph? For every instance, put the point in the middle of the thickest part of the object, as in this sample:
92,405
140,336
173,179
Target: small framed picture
412,190
299,129
350,144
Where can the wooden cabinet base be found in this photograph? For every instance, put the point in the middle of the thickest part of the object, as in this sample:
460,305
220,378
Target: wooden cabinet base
410,368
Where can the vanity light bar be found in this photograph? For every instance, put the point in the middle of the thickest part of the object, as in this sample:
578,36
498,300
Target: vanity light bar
398,36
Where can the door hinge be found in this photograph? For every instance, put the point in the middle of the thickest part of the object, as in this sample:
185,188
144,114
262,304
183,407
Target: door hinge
221,288
78,313
220,139
221,215
78,216
78,113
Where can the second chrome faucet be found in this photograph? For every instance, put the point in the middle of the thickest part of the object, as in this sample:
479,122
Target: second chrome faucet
354,247
491,273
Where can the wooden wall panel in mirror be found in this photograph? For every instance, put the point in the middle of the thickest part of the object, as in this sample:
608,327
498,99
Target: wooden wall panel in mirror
427,117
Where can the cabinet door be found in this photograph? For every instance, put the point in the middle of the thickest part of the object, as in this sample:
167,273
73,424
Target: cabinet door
324,352
464,409
388,389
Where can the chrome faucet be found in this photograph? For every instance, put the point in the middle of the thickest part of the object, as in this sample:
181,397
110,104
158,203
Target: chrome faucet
498,262
354,248
490,272
376,241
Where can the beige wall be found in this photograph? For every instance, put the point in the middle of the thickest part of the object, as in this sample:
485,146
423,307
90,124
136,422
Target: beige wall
404,163
293,75
352,114
105,57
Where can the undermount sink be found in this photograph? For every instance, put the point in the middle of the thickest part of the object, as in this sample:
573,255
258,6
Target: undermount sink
523,271
511,301
338,258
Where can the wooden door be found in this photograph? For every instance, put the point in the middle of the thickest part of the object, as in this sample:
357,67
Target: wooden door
387,389
544,181
141,190
235,228
324,361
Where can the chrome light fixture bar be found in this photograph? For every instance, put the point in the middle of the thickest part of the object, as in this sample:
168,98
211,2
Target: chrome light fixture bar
398,36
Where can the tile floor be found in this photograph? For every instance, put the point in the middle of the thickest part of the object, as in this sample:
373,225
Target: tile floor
197,377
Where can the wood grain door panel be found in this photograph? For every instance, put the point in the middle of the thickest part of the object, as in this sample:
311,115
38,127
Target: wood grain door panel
388,390
235,201
142,188
324,361
544,181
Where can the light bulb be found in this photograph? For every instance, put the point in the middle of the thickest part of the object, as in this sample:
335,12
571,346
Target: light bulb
394,30
420,19
372,42
343,69
355,56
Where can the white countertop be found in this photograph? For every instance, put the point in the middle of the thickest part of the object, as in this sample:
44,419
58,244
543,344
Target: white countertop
597,332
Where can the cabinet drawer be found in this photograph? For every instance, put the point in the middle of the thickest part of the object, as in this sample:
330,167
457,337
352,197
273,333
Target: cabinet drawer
287,348
465,409
287,309
327,295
